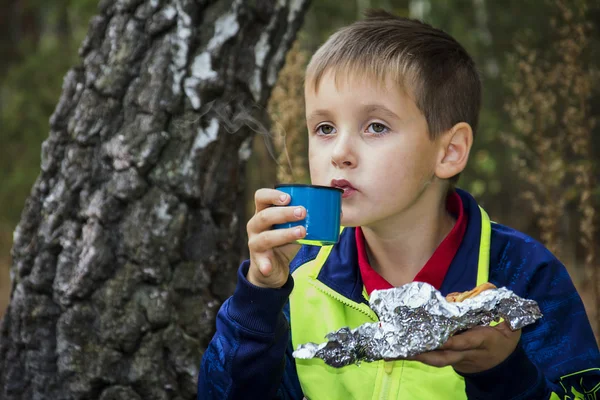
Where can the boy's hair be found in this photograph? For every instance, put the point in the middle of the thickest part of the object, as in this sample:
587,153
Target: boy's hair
433,68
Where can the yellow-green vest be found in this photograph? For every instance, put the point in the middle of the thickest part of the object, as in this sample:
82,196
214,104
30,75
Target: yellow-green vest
316,309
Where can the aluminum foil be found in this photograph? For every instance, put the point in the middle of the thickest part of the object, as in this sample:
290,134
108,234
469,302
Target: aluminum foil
416,318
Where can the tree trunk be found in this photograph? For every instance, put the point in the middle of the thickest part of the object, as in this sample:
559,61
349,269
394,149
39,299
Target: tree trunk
130,239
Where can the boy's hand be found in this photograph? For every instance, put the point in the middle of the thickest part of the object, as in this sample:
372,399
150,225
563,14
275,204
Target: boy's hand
271,250
476,350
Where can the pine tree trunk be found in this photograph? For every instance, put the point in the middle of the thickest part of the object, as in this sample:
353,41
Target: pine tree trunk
131,236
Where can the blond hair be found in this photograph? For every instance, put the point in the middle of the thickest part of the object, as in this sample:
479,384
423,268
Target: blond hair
432,67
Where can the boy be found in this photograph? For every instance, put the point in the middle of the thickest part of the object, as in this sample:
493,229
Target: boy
392,108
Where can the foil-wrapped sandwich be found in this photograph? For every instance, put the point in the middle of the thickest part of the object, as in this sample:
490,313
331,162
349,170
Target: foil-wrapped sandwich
416,318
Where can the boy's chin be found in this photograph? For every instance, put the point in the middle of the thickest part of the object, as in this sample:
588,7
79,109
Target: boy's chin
349,222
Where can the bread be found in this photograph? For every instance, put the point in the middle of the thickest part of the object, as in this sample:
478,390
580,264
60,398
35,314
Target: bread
456,297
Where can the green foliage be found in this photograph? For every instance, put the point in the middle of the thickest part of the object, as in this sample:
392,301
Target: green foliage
28,95
326,16
487,29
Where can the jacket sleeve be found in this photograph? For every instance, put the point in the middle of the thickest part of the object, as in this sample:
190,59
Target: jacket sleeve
250,354
557,357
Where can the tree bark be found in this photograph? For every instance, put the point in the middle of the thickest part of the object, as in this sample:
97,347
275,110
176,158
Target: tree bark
130,239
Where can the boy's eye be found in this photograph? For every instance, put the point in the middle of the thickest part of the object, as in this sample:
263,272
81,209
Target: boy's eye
325,129
377,128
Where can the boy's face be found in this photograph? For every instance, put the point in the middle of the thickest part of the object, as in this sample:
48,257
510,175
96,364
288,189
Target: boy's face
375,138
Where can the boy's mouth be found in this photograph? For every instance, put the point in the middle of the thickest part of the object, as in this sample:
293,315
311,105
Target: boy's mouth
346,186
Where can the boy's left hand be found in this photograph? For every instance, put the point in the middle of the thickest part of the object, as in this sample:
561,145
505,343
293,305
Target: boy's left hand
475,350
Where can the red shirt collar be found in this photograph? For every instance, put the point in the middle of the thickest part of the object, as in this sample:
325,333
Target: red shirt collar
434,271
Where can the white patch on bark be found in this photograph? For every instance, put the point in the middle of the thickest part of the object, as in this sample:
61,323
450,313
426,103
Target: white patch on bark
277,61
203,138
206,136
94,208
169,12
226,27
119,152
89,255
279,57
180,42
295,7
260,53
201,70
112,37
74,281
57,192
262,47
162,211
245,150
150,272
154,3
202,67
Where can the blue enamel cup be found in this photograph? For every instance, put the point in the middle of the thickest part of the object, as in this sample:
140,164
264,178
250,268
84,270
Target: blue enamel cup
323,208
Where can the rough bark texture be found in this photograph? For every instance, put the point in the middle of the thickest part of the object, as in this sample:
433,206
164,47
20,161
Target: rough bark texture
130,239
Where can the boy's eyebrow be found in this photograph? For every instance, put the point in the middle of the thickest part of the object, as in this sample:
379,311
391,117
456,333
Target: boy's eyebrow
369,108
319,113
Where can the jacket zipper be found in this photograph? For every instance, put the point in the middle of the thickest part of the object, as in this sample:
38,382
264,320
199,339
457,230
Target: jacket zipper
388,367
360,307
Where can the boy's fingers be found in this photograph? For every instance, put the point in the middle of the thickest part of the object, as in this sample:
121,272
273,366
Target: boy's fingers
439,358
268,217
265,266
264,198
469,340
504,328
275,238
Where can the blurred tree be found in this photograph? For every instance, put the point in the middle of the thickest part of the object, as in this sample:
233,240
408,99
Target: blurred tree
488,29
18,24
326,16
550,108
40,45
286,108
538,58
130,238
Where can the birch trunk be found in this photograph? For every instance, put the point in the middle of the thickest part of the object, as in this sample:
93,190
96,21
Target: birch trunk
131,236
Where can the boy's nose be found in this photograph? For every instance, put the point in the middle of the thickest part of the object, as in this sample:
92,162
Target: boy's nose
343,154
337,163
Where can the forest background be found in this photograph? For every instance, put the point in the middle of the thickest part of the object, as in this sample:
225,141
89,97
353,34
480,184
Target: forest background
535,163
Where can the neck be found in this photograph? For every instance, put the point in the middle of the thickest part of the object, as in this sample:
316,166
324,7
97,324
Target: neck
400,246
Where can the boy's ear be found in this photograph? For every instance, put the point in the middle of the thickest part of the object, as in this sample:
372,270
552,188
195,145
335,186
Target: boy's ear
455,145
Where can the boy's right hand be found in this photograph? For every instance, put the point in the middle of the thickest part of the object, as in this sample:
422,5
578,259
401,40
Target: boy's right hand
271,250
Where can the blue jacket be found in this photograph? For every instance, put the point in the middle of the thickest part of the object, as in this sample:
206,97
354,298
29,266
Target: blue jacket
250,355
